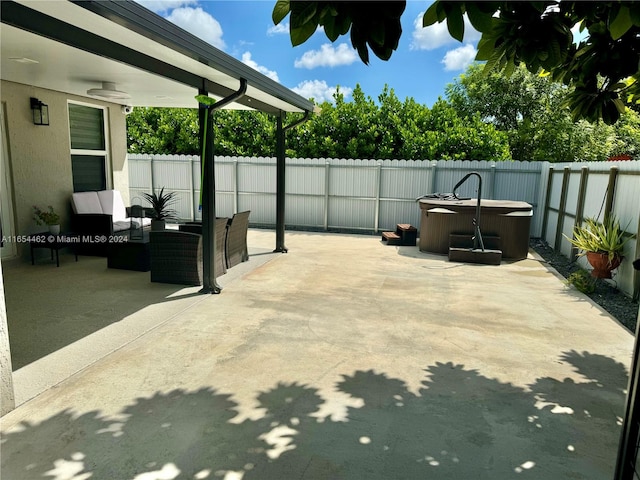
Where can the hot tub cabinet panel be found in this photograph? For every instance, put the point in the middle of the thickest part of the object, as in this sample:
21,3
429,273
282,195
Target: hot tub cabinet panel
509,220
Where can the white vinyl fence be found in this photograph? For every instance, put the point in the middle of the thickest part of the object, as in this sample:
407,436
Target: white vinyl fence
375,195
331,194
576,191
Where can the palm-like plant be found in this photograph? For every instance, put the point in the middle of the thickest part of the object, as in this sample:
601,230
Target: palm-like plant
161,204
606,237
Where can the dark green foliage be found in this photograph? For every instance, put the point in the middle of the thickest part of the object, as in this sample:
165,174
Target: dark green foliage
492,117
583,281
161,203
531,109
176,131
394,129
361,128
376,27
603,68
163,130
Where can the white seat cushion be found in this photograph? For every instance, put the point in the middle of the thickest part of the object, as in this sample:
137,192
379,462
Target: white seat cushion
136,222
121,225
112,204
86,202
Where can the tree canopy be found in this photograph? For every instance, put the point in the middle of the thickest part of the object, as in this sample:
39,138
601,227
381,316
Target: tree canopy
482,117
603,68
529,109
361,128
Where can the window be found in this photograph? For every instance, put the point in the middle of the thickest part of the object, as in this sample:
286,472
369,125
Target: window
88,148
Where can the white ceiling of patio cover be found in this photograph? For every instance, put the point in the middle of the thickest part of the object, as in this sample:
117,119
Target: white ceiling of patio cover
75,71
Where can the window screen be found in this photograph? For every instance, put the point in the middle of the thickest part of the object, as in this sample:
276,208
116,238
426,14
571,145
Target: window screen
88,148
87,127
88,173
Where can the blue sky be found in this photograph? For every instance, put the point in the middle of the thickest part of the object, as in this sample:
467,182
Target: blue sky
424,63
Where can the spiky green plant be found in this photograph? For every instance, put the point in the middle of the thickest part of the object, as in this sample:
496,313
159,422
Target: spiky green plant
606,237
160,203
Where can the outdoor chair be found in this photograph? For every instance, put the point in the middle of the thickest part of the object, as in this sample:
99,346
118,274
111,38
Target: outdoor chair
176,256
236,244
221,238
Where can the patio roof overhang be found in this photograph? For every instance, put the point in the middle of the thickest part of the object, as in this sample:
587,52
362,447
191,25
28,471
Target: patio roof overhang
79,45
73,46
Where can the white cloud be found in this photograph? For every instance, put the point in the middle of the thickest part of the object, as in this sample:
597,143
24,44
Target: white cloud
437,35
319,90
199,23
160,6
278,29
459,58
327,56
247,60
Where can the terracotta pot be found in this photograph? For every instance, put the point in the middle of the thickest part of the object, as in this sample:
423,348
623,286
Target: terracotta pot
601,265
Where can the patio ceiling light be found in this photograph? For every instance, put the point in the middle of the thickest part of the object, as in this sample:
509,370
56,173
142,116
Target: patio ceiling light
109,91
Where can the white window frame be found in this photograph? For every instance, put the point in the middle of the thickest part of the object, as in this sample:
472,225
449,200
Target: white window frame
94,153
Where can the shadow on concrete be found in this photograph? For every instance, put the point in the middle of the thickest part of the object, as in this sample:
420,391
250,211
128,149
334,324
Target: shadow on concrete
49,308
459,425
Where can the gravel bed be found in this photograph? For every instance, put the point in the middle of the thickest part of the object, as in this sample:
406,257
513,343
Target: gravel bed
619,305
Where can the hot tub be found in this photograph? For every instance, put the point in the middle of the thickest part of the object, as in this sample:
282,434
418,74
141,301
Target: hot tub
506,219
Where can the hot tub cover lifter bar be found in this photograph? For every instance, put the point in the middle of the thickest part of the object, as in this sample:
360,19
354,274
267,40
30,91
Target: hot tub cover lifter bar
477,236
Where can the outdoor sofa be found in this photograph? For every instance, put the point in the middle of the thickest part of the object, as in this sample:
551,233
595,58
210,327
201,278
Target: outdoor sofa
99,216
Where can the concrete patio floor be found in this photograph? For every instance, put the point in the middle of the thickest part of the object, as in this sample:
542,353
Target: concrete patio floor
343,359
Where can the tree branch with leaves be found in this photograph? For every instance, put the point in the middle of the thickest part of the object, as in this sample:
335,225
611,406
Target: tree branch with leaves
603,68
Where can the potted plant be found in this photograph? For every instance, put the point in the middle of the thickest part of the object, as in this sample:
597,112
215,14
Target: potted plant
160,205
602,244
47,217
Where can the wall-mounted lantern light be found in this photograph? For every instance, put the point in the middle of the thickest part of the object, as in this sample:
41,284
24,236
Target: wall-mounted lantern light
40,112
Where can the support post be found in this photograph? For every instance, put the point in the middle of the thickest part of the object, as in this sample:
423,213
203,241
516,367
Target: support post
209,275
280,185
636,273
545,211
7,396
192,193
280,176
562,209
209,280
235,186
492,182
434,173
327,175
376,219
582,191
611,192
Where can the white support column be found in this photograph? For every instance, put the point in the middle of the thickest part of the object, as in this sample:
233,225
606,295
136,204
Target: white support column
7,399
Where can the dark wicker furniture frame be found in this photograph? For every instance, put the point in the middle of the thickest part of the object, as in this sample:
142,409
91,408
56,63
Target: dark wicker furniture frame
236,244
176,256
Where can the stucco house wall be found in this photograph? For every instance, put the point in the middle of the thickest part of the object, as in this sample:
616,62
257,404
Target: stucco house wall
40,158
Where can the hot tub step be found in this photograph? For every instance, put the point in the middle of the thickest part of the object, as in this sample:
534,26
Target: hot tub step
470,255
408,233
465,240
392,238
